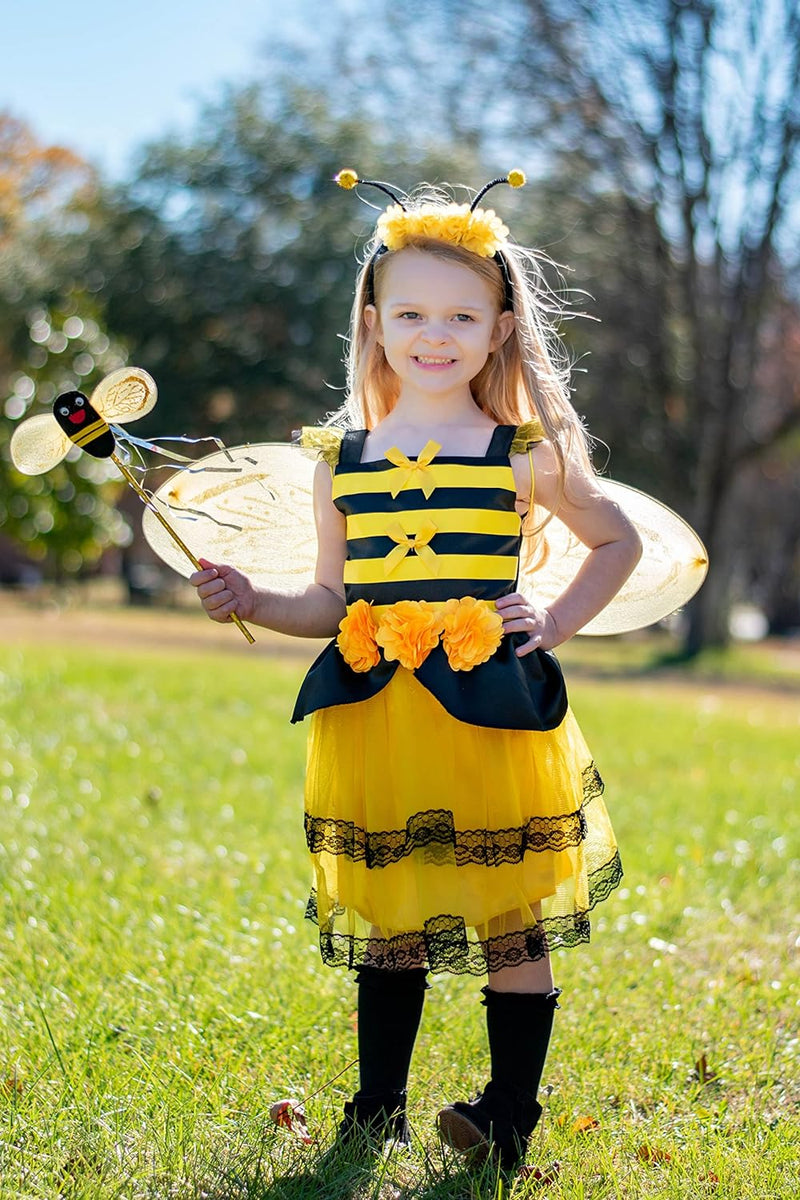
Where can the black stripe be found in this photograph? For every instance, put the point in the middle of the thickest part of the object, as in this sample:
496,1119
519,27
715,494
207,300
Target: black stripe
429,589
348,467
496,499
441,543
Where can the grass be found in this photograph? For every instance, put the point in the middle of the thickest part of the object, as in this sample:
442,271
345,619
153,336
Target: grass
159,989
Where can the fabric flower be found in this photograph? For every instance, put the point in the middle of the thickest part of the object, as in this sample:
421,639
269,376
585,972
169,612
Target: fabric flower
408,631
471,632
481,232
356,639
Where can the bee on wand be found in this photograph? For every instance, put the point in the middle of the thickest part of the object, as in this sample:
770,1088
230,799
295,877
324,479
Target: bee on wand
40,443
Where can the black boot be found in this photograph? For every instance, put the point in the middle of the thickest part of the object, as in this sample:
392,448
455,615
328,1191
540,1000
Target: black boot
375,1118
389,1012
502,1118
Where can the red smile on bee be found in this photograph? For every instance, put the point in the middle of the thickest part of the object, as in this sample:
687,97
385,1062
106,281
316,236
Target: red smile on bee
77,418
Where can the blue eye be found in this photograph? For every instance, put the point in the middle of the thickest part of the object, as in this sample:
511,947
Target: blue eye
464,317
412,315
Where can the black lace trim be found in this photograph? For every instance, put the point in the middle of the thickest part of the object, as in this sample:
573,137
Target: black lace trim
444,944
433,833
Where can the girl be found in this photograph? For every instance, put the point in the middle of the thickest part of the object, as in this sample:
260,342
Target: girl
453,811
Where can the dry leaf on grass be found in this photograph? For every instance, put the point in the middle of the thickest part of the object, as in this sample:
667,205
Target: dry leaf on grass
653,1154
540,1175
288,1115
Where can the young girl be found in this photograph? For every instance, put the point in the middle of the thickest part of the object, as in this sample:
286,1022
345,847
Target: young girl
453,811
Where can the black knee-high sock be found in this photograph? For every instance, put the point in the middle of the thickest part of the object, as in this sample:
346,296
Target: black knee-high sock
389,1012
519,1025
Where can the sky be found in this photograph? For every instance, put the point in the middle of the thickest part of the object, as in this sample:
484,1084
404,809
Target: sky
103,77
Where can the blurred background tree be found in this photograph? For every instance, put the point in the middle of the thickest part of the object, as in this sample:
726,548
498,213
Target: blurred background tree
51,338
661,140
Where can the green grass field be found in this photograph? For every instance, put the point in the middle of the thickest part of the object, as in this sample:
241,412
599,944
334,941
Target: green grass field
159,988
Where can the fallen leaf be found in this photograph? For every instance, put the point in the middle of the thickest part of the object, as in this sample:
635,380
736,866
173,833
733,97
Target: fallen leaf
541,1176
288,1115
12,1084
585,1124
653,1154
710,1178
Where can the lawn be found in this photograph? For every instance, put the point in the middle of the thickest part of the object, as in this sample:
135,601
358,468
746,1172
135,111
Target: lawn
159,988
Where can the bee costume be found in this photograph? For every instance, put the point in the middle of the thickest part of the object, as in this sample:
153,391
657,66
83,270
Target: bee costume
453,812
443,805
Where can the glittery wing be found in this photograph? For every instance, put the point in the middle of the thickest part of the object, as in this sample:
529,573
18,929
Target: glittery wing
38,445
250,507
672,567
125,395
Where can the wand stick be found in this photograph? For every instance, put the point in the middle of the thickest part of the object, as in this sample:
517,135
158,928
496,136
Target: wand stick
143,496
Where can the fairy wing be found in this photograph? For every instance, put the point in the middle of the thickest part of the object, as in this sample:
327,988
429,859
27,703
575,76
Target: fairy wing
38,445
125,395
673,565
250,507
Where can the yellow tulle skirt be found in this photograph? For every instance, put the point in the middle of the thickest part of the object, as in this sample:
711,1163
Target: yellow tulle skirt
439,843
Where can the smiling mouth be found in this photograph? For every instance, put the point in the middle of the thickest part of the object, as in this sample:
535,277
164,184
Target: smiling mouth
427,361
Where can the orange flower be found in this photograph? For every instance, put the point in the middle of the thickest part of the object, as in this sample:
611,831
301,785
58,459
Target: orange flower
356,638
472,631
408,631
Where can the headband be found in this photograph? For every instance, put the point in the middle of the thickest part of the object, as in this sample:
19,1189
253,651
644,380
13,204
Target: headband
475,229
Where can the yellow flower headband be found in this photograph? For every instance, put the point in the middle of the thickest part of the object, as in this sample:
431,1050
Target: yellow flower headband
476,229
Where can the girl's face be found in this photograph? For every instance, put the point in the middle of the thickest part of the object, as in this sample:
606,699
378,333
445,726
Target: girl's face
437,322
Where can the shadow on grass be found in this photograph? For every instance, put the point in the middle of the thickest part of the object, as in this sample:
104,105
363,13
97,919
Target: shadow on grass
272,1173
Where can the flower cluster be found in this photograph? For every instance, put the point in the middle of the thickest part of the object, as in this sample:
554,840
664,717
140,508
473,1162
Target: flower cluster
470,631
481,232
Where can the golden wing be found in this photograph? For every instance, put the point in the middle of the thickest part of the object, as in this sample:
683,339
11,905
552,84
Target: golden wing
125,395
38,445
673,565
250,507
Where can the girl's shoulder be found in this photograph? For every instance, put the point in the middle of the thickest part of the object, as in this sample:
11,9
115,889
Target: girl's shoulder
527,435
321,443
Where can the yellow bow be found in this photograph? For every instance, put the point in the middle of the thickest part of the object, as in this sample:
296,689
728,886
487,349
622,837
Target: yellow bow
420,467
418,542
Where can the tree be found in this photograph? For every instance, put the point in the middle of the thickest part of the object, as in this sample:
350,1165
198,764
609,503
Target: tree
692,108
51,339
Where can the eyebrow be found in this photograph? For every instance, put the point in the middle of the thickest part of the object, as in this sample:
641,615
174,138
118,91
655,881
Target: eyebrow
416,304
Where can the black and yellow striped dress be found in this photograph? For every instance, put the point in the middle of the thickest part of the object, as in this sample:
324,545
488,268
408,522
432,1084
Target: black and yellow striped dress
454,816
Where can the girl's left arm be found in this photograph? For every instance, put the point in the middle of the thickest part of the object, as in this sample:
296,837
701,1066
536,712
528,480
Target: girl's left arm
614,550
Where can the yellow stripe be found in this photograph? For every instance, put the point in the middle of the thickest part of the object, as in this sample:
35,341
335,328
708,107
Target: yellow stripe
446,520
449,566
89,433
451,475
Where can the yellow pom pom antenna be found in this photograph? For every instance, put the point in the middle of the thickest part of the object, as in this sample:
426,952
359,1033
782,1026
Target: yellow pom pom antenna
346,179
517,179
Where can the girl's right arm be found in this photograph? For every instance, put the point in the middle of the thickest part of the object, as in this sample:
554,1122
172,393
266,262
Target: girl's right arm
314,612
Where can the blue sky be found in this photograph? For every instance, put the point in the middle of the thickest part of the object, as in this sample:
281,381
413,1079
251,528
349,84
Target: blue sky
104,77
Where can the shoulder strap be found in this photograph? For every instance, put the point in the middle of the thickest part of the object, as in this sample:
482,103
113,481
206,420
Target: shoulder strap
353,446
500,445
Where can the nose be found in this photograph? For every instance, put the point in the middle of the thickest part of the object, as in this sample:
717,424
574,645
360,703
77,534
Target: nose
435,334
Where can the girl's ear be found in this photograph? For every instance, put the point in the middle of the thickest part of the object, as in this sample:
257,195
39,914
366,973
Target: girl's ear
503,329
371,321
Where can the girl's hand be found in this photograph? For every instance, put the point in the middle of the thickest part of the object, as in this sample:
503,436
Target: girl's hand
520,616
224,590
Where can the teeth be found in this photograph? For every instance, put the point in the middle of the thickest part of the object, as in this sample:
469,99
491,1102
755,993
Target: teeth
422,359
